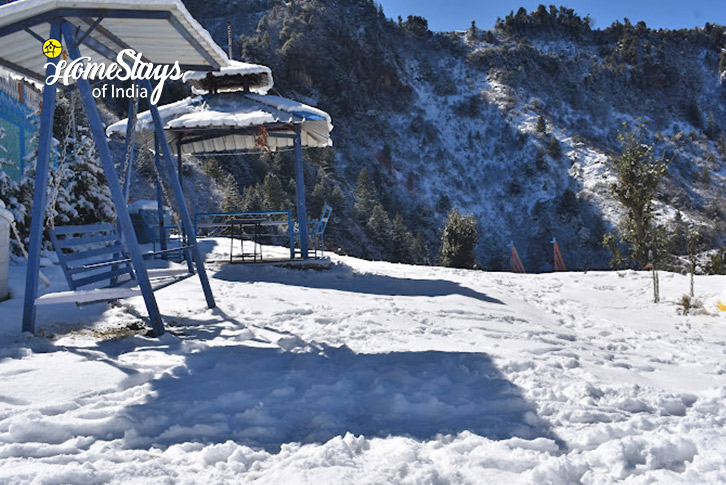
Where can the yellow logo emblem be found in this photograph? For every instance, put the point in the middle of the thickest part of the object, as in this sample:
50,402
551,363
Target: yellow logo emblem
52,48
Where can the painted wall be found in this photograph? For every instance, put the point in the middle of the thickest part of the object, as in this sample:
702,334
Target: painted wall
18,119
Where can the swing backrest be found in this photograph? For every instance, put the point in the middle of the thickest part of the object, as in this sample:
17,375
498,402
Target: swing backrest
91,253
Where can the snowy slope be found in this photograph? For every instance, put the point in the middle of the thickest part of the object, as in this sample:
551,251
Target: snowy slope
449,119
371,373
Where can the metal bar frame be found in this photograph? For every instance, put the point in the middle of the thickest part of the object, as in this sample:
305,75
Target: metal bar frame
40,199
122,213
180,200
300,194
159,196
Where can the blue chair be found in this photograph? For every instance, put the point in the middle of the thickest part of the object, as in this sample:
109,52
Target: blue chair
317,231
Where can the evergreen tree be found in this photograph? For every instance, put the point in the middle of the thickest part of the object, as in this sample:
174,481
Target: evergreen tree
554,149
541,125
231,201
419,249
712,129
366,195
638,176
472,31
87,197
253,198
693,113
8,186
402,241
274,196
458,241
540,162
379,227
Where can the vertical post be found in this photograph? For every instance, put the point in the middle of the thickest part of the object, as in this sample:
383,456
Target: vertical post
39,194
128,168
159,198
229,39
185,238
181,202
302,218
291,234
114,185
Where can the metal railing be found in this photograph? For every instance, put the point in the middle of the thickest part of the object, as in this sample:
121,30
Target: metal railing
267,224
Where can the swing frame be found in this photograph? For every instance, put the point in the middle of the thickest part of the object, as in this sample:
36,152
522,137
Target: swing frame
74,37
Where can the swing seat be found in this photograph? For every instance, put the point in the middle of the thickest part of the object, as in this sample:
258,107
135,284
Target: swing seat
93,253
85,297
90,254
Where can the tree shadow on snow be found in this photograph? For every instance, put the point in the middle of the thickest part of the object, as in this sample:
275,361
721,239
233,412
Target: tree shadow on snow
342,278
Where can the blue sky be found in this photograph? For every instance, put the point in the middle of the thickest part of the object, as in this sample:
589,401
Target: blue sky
458,14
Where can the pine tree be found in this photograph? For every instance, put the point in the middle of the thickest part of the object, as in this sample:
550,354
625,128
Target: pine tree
472,31
274,196
712,129
638,176
402,240
541,125
379,227
232,201
458,241
419,249
540,162
554,149
253,198
87,198
366,195
8,186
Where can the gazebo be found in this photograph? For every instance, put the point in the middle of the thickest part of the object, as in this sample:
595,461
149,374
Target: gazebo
231,113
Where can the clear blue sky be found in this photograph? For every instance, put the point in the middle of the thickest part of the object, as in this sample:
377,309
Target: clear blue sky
458,14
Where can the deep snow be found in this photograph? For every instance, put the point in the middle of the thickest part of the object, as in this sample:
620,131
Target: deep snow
370,373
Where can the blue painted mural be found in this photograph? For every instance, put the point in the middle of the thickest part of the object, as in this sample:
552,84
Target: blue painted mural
19,120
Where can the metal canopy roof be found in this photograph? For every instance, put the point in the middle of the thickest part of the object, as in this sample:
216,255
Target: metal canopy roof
162,30
232,122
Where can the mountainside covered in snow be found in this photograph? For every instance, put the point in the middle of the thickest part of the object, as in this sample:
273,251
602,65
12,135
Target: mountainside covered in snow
443,120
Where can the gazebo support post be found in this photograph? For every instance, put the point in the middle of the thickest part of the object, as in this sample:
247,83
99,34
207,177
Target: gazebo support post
39,194
181,202
122,212
302,218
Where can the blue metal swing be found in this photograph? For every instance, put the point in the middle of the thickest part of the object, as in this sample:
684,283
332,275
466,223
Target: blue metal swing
85,31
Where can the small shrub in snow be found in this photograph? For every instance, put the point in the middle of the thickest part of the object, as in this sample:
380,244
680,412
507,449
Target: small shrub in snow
458,241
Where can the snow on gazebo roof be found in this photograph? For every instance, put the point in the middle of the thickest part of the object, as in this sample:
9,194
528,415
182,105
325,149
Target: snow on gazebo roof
233,121
162,30
235,76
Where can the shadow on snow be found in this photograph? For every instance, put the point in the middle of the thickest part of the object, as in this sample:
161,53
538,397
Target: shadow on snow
342,278
264,397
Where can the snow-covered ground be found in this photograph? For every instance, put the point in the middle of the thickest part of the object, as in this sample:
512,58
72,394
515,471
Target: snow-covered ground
370,373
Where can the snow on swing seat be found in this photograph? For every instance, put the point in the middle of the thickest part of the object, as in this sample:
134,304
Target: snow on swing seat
98,295
86,296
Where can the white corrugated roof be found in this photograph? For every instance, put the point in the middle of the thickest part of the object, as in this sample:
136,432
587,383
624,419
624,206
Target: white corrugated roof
171,35
226,113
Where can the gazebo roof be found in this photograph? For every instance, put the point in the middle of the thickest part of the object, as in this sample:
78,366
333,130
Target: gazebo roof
236,76
233,121
162,30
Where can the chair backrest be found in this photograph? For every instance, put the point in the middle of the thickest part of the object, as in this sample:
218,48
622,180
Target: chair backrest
89,254
323,222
